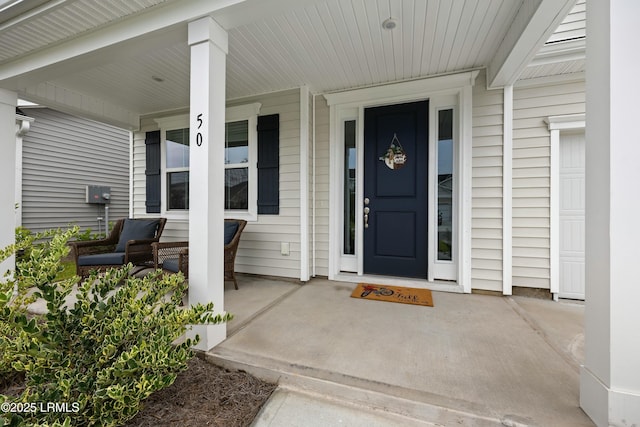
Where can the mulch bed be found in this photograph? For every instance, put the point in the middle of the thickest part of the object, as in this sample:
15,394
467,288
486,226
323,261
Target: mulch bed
206,395
203,395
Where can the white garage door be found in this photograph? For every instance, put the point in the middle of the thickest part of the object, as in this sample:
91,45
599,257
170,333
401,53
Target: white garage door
572,194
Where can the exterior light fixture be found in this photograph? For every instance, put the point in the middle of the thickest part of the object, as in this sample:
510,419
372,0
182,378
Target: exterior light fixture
389,23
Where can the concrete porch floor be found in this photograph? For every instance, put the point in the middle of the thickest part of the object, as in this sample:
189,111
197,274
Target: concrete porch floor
469,360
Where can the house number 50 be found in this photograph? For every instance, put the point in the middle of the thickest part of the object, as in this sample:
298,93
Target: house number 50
199,134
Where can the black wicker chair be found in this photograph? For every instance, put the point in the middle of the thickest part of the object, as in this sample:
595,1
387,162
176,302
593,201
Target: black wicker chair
129,242
173,257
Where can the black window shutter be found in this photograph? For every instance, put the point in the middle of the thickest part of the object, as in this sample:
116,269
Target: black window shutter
269,164
152,172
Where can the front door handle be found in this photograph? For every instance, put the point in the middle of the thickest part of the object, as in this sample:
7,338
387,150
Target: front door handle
366,217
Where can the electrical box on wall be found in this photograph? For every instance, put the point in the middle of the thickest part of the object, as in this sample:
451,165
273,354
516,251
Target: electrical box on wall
284,248
98,194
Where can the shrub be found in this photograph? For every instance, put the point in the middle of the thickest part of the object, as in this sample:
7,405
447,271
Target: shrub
88,235
97,358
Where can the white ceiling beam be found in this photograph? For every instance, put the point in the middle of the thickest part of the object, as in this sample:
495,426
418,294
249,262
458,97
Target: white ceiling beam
534,23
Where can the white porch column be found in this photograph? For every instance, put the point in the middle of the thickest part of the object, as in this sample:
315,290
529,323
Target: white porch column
8,102
208,42
610,377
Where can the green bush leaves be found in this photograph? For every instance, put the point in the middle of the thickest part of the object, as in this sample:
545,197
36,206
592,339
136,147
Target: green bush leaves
103,346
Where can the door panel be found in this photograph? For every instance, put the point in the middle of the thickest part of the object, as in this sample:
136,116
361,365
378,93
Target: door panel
395,241
395,234
572,201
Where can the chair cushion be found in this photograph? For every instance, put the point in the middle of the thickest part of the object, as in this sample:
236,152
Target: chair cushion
136,229
112,258
171,264
229,231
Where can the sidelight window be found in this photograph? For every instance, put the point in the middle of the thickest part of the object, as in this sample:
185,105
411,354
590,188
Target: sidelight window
349,187
445,187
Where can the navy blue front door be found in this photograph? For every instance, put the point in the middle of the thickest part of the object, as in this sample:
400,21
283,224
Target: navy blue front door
395,235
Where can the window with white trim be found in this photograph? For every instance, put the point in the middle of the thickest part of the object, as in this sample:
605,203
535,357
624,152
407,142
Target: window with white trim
177,169
240,163
237,166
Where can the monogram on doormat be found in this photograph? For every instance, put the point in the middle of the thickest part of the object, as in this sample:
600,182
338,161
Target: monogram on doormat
393,294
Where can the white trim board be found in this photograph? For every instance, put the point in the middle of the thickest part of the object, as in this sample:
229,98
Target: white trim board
507,193
304,183
403,91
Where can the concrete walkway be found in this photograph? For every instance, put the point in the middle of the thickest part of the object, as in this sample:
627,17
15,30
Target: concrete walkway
470,360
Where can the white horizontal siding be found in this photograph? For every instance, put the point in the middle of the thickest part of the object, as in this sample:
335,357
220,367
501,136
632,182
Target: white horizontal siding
486,226
531,176
62,154
259,249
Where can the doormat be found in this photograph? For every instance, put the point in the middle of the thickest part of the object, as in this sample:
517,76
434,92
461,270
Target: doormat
393,294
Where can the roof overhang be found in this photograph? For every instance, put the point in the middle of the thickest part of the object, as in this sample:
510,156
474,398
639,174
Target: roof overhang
532,27
104,73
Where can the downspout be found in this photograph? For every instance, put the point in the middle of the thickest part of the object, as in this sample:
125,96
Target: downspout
23,124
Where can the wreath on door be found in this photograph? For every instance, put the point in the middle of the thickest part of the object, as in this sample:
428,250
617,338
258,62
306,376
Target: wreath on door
395,157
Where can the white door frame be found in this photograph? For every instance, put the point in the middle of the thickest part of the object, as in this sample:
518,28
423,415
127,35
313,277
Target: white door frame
350,105
556,125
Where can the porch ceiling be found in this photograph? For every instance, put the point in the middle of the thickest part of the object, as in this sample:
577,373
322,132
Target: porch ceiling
328,45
